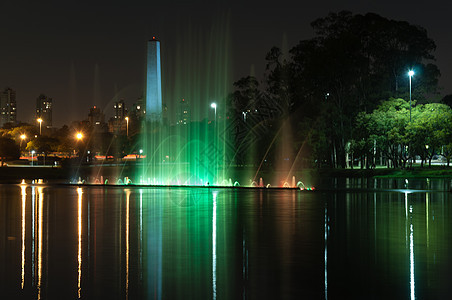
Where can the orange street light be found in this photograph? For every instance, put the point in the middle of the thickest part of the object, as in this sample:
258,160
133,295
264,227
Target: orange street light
40,123
22,138
127,120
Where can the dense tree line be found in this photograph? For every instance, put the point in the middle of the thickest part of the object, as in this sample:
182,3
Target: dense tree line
387,133
64,142
329,85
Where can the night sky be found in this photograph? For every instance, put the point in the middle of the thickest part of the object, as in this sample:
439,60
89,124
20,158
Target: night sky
84,54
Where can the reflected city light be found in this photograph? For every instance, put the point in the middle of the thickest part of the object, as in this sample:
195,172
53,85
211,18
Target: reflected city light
426,218
179,243
79,255
214,245
40,204
33,238
411,255
141,233
24,199
127,240
411,243
326,251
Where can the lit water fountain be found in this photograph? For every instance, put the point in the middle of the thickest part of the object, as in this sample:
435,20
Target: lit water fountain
200,152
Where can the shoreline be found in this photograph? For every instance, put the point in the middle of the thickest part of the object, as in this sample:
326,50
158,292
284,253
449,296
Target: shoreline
8,173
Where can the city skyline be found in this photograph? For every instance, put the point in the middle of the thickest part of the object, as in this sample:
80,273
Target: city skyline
102,59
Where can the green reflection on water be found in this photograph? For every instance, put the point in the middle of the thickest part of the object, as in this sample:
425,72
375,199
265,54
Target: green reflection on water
207,243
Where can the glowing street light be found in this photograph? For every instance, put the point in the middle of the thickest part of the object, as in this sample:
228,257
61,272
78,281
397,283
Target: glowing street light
410,74
127,120
79,137
22,138
40,123
214,106
32,152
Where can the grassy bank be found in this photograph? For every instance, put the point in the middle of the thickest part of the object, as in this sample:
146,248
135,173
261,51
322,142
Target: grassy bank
16,174
243,175
417,171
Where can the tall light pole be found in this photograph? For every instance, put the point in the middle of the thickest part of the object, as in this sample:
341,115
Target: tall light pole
214,106
22,138
40,123
410,74
32,152
79,137
127,120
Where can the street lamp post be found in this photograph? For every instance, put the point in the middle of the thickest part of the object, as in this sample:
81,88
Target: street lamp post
32,152
214,106
127,126
22,138
410,74
79,137
40,123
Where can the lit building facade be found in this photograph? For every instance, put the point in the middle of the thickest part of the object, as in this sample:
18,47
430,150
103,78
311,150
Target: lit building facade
118,123
120,109
96,119
44,110
8,113
139,109
183,114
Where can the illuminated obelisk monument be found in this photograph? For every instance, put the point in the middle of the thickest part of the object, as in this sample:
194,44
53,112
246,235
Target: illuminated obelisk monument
153,82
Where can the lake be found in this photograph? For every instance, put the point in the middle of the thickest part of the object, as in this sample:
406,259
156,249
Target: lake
350,238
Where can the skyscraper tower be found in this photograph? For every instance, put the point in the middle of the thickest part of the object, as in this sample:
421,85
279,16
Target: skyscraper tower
183,115
8,112
153,82
44,110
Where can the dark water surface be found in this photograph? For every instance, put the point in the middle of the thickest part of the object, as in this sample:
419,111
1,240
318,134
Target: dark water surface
382,238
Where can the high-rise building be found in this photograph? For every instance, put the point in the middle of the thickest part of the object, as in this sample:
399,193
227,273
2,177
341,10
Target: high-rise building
139,109
120,109
8,113
153,82
183,114
96,119
44,110
118,122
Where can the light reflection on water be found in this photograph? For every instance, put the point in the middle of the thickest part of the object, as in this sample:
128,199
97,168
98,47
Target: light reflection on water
213,243
79,252
24,202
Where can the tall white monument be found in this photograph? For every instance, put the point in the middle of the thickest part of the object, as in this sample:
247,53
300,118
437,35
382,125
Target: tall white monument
153,82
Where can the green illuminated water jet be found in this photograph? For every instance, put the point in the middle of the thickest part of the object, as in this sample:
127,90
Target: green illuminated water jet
190,136
195,148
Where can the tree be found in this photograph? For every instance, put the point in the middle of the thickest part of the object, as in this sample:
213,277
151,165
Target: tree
9,150
433,128
43,144
356,60
447,100
278,79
